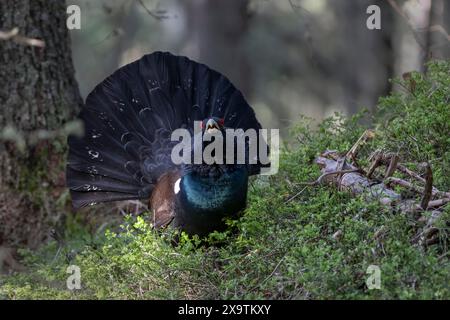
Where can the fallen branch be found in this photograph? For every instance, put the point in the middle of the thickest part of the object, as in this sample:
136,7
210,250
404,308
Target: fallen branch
376,162
355,182
392,166
408,185
328,174
438,203
428,190
384,159
347,176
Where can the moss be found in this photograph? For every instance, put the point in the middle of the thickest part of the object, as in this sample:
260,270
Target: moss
37,201
279,249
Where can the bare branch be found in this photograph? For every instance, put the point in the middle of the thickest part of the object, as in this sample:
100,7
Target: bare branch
158,15
375,164
353,152
392,166
438,203
16,37
440,29
427,193
347,176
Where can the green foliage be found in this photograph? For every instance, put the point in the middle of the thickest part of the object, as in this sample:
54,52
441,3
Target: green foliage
316,245
416,122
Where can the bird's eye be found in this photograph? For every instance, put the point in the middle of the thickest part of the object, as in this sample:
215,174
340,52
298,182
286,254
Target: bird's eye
221,122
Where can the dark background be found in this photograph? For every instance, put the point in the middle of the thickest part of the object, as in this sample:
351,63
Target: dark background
289,57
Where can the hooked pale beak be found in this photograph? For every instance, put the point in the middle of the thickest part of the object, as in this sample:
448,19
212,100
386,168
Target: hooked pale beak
211,126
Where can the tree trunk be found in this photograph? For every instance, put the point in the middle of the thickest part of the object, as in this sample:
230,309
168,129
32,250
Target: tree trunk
215,31
438,45
366,56
38,93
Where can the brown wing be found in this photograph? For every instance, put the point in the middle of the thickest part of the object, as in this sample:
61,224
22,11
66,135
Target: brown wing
162,201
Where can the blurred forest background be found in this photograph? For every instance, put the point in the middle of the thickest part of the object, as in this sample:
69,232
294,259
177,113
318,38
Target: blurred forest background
289,57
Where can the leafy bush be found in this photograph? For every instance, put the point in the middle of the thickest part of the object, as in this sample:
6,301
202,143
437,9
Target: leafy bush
417,120
292,242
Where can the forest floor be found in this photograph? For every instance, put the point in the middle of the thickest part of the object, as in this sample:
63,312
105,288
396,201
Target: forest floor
294,241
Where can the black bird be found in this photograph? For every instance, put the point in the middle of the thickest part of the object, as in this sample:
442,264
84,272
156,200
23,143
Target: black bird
125,152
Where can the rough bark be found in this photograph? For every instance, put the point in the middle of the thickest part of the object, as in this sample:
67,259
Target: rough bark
38,91
37,85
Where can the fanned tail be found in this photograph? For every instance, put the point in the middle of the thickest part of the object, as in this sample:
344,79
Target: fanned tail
129,118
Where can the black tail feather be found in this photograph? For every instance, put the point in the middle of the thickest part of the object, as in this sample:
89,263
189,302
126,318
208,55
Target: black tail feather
129,118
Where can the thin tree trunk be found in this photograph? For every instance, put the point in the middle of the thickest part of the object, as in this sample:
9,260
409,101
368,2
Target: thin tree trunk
366,64
438,43
215,30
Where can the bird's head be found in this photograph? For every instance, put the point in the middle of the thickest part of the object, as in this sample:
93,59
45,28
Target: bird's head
212,125
212,132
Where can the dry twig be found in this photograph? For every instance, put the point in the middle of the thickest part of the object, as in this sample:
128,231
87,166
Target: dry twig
16,37
348,176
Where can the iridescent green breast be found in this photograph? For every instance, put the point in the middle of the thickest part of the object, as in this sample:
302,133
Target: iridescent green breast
205,201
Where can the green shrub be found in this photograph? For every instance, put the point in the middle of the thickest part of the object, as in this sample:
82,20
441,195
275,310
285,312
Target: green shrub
282,247
416,122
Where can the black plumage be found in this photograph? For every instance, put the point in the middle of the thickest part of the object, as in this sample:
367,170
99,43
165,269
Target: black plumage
129,117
